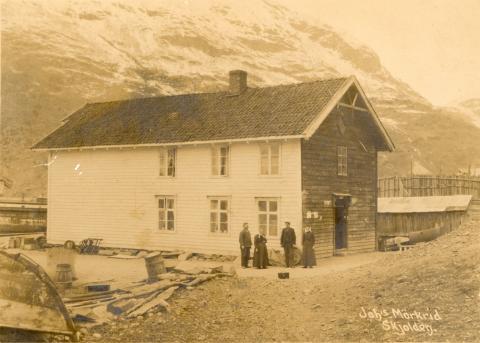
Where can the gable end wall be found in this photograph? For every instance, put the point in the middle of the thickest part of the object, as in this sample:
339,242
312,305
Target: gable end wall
320,181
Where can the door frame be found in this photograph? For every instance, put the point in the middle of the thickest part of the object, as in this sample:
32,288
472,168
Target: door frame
347,199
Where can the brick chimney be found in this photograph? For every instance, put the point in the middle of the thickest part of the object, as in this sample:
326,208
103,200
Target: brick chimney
238,81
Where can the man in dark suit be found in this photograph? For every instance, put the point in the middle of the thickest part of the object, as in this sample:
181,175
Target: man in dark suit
288,240
245,240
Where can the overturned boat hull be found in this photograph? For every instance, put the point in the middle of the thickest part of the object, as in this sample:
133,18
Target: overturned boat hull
29,299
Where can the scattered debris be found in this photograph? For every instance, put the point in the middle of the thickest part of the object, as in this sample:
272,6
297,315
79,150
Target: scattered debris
188,268
171,254
90,246
213,257
97,288
125,257
185,256
106,252
139,299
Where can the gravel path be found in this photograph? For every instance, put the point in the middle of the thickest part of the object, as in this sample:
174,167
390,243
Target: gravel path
399,290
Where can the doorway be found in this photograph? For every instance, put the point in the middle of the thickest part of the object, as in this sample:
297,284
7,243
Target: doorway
341,227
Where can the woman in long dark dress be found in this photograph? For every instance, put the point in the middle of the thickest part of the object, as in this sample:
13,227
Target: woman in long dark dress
260,254
308,241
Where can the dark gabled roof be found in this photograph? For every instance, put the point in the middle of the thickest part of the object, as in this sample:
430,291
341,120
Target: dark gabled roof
285,110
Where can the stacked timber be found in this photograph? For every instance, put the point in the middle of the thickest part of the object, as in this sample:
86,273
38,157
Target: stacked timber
136,299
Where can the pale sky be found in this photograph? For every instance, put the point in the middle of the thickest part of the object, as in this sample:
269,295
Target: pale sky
433,45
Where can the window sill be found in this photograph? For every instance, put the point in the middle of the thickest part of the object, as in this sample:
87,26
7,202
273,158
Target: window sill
276,176
165,232
219,234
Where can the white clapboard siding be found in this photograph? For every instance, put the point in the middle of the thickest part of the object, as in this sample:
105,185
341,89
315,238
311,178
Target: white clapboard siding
111,194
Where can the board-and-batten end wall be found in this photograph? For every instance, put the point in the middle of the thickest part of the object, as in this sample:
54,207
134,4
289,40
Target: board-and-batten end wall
111,194
320,181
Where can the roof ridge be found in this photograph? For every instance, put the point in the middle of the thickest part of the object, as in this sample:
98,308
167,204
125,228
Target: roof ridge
218,92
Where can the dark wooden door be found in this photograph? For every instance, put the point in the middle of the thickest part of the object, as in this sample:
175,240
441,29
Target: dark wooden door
340,224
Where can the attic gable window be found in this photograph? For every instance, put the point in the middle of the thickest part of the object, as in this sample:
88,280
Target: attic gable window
342,160
270,159
168,159
220,160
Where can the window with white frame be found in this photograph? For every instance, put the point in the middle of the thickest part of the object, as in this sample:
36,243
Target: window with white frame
270,159
342,160
166,213
220,160
168,159
219,215
268,216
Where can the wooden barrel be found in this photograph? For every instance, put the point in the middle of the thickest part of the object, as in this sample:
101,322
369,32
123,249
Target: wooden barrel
155,265
64,275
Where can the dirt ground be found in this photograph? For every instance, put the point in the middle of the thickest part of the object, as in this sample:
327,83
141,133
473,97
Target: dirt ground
429,293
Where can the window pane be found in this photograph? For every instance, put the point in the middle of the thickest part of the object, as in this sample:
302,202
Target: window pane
213,227
264,165
274,165
213,217
161,215
262,206
262,219
272,206
224,152
170,225
223,227
213,204
272,227
274,150
224,205
223,217
273,220
215,166
170,215
161,203
171,162
161,225
170,203
264,150
262,229
162,163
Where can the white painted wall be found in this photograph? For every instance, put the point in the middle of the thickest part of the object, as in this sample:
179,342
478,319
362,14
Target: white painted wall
110,194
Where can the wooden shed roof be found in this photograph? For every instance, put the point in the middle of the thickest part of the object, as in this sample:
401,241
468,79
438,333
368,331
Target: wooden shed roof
424,204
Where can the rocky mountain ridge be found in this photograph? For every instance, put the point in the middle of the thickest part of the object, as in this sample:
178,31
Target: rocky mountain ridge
57,56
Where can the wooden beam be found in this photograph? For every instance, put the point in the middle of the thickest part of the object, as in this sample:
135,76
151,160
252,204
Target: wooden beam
353,107
355,99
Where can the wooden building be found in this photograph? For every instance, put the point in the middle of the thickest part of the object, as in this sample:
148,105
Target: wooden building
22,215
186,171
422,218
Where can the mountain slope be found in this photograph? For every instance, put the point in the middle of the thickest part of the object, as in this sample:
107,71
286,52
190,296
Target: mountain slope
60,55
